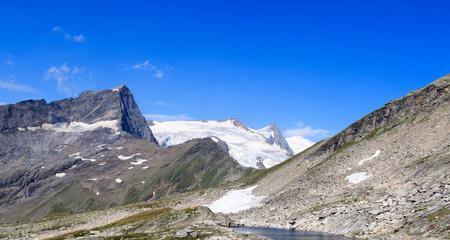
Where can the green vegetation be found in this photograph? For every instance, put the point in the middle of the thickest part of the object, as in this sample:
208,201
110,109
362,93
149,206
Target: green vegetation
131,236
75,234
133,195
439,215
136,218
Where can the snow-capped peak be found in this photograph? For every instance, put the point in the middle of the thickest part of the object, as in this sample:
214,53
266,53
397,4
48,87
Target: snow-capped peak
273,136
256,148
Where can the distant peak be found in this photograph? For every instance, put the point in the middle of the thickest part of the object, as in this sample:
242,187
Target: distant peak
236,122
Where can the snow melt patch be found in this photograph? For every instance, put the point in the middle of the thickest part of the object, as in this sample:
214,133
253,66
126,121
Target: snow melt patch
77,127
139,161
118,180
145,167
376,154
236,200
122,157
358,177
60,174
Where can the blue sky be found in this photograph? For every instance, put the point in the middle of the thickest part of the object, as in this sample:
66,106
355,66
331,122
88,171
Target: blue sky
314,66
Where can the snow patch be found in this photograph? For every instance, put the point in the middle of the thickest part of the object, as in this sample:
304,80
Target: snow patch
60,175
145,167
358,177
119,148
236,200
21,129
122,157
88,159
75,154
118,180
376,154
139,161
143,182
97,193
102,163
130,168
77,127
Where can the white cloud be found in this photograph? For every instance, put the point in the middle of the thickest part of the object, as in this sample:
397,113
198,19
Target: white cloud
164,117
2,103
147,66
13,86
9,61
299,143
78,38
57,29
306,131
67,78
159,103
159,74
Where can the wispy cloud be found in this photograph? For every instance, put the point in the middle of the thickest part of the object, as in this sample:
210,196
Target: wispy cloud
78,38
10,61
147,66
14,86
306,131
2,103
165,117
159,103
67,78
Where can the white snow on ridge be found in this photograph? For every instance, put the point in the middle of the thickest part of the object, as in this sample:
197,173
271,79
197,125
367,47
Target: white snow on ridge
139,161
122,157
358,177
60,175
376,154
236,200
250,147
80,126
76,127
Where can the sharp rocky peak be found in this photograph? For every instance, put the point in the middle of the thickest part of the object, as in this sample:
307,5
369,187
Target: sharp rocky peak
90,107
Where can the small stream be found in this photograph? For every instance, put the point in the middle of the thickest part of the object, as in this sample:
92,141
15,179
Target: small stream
286,234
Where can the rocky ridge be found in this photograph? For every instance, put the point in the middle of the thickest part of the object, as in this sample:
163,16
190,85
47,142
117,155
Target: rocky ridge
386,176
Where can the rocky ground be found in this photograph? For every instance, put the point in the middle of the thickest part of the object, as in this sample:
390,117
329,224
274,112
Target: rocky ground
163,219
385,177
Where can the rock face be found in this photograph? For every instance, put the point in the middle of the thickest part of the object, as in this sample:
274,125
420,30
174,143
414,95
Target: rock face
385,176
92,152
91,107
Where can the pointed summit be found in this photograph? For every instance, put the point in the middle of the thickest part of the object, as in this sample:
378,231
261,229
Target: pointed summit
91,107
273,136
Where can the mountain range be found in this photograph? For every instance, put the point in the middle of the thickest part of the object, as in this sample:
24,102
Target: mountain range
255,148
92,167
